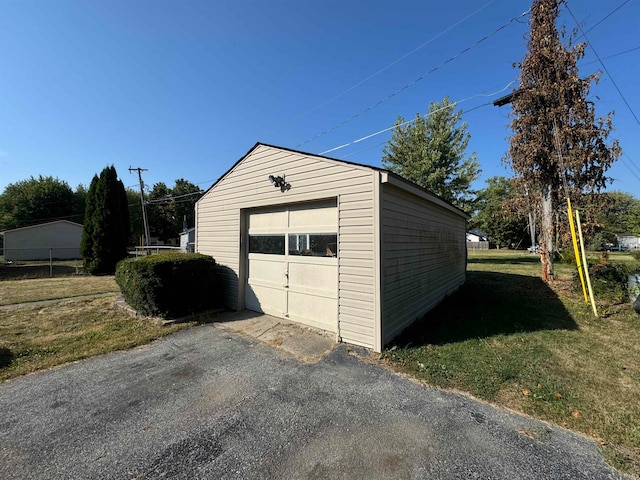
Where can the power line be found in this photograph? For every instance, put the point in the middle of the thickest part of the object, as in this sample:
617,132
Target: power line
206,181
453,104
396,61
410,84
605,17
628,167
59,217
614,55
632,162
382,143
364,150
604,67
170,198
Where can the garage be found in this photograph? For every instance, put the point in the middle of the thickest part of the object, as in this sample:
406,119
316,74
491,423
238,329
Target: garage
292,264
349,248
59,239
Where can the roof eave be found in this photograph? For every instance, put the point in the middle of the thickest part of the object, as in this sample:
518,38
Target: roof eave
410,187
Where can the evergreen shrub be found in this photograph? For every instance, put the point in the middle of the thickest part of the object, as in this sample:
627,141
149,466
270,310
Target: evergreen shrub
105,236
170,284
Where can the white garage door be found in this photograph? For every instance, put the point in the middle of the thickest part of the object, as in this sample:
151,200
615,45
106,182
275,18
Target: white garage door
293,263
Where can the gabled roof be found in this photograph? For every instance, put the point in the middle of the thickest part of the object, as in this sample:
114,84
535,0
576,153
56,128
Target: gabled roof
477,232
400,181
43,224
260,144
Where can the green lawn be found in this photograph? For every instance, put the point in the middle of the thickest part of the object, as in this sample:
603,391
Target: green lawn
509,338
33,290
37,337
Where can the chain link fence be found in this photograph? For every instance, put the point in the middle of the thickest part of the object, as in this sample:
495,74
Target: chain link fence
43,262
478,245
40,262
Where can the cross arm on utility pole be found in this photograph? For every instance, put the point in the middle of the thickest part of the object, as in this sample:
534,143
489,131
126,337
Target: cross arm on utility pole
499,102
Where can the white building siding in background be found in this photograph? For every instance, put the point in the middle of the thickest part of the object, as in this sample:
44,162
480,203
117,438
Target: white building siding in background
631,242
220,225
60,239
423,257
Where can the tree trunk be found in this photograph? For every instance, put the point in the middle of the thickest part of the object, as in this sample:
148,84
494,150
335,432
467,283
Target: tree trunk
547,233
532,229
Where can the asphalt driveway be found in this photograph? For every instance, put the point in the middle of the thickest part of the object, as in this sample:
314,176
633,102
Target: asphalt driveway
211,403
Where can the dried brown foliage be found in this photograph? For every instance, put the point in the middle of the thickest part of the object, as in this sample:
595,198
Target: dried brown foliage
551,109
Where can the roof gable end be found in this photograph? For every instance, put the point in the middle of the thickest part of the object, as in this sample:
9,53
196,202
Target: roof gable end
387,175
67,222
316,157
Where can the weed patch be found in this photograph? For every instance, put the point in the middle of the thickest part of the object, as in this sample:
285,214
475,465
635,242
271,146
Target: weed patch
609,281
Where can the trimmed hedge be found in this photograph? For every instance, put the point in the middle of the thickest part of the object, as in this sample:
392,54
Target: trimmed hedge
170,284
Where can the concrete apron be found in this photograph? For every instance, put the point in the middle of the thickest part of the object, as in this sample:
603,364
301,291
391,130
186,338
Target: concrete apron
304,343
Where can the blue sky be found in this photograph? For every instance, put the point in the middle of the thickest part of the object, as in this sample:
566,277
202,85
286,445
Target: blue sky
185,88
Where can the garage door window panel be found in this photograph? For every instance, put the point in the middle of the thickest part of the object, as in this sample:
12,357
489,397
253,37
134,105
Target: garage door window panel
313,244
267,244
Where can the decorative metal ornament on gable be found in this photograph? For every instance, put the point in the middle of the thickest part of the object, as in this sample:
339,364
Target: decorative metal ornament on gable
279,181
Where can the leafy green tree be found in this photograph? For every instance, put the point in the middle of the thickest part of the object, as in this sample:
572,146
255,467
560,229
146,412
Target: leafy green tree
619,212
106,229
135,217
168,208
86,244
431,151
185,194
613,213
496,216
558,147
160,214
79,203
37,200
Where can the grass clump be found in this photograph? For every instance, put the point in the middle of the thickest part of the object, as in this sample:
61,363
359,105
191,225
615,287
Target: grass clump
170,284
35,338
509,338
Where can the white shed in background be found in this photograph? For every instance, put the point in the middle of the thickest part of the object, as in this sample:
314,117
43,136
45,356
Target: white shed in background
349,248
60,239
628,241
187,240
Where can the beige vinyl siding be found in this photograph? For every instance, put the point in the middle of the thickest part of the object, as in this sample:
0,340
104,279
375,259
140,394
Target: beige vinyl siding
423,257
312,178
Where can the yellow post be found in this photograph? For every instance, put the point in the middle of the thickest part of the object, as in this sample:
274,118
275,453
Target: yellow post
586,266
575,249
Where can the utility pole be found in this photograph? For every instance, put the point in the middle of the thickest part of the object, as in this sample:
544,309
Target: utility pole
144,209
